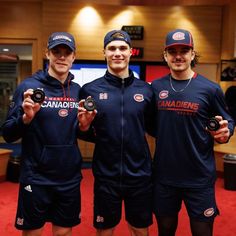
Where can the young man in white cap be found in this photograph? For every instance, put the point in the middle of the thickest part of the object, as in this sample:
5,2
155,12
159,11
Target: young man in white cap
192,114
122,160
44,114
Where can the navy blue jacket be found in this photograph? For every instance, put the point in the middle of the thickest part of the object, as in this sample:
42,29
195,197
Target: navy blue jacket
50,153
184,154
125,112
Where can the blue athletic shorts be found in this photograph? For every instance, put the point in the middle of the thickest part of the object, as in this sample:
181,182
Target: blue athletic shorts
199,202
108,205
39,204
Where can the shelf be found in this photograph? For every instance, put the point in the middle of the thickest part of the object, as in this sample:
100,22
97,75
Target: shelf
228,70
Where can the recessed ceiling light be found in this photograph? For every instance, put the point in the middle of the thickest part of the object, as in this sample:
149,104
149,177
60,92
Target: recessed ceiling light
5,49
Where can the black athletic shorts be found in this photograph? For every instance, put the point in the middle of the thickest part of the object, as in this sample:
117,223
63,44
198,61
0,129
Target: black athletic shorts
108,201
39,204
200,203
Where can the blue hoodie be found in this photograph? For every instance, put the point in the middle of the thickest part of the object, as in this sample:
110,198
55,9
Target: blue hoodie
50,154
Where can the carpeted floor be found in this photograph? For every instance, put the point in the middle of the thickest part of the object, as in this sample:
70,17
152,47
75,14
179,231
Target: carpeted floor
224,225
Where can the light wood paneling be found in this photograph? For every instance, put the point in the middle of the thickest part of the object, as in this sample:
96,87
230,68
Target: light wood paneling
227,148
226,84
219,159
177,2
152,144
203,22
21,23
146,2
229,32
38,19
20,20
25,69
34,20
86,149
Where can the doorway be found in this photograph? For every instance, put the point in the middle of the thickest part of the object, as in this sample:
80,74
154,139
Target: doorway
15,65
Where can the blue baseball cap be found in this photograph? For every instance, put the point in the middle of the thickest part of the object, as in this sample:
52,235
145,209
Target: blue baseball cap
179,37
117,35
59,38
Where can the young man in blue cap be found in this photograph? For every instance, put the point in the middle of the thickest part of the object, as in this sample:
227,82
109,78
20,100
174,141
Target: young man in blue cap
47,123
184,164
122,160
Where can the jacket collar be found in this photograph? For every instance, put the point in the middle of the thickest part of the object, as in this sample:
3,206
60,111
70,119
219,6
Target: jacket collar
117,81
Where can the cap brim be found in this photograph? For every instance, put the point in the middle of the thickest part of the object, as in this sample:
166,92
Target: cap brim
179,44
61,43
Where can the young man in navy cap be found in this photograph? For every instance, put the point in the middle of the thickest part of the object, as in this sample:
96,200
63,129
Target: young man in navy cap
122,160
184,164
47,123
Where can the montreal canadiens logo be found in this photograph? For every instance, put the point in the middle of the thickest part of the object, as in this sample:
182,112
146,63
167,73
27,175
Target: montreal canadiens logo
63,112
163,94
209,212
138,97
178,36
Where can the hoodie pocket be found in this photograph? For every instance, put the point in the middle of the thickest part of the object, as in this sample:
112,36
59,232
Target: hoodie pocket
60,162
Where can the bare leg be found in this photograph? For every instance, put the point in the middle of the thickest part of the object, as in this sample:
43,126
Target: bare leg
34,232
105,232
61,231
138,231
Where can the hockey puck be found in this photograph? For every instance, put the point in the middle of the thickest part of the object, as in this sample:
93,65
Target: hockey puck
38,96
213,124
89,104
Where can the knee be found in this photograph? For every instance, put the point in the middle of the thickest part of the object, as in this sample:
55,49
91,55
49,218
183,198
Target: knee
61,231
138,231
105,232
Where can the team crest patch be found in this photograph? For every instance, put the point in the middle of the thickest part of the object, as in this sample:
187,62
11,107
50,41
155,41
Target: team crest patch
178,36
209,212
63,112
99,219
103,96
138,97
20,221
163,94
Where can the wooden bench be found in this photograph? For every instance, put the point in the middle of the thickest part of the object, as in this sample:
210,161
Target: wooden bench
4,157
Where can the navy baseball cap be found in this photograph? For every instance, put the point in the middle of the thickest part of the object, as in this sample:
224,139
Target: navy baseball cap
179,37
58,38
117,35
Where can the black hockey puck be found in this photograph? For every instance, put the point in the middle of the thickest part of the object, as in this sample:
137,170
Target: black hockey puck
213,124
89,104
38,95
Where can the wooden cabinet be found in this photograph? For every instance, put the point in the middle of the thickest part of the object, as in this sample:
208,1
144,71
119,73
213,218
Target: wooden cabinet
223,149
